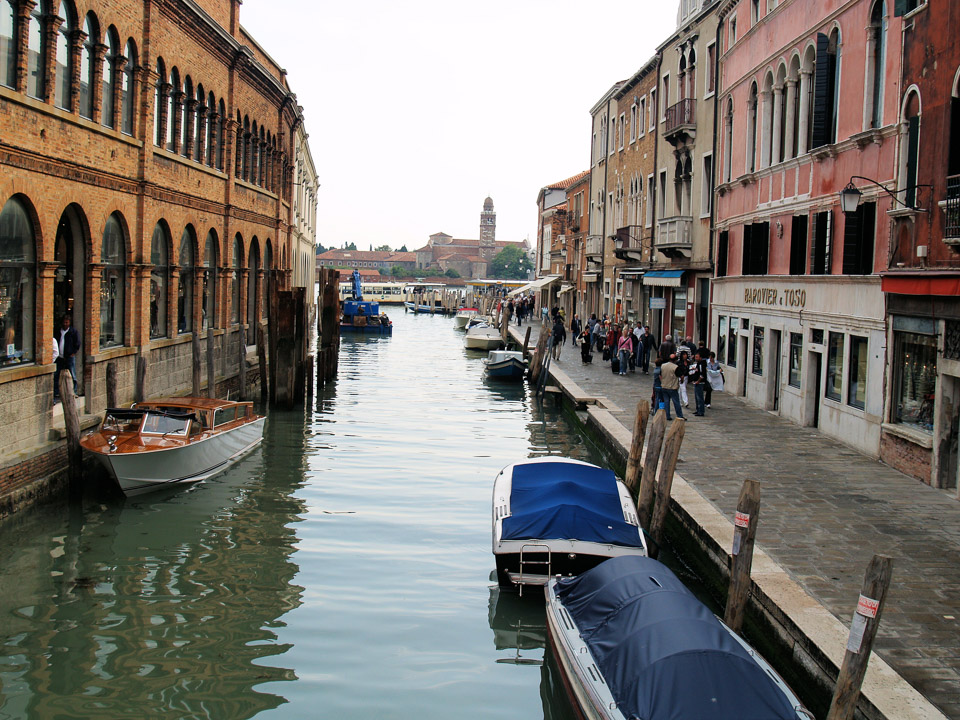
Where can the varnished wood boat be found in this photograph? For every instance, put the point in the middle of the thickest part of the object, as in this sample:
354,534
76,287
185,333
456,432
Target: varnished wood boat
169,441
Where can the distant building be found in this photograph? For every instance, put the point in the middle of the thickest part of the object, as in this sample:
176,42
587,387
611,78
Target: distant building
382,260
560,209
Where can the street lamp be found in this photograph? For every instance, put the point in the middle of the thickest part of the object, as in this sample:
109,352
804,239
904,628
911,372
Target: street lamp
850,195
850,198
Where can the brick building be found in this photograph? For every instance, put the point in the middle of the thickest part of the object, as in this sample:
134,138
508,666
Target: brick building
382,260
145,187
561,208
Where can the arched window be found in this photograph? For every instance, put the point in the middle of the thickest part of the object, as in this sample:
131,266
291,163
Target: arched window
64,68
159,281
109,93
186,125
254,155
200,128
211,130
235,293
87,69
185,291
113,283
126,90
876,61
253,285
159,106
220,142
36,76
910,147
8,43
172,100
210,281
728,142
752,112
17,279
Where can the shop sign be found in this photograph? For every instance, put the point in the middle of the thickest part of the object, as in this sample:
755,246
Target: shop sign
773,296
658,303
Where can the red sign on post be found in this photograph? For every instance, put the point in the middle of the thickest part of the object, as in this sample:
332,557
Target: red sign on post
867,607
741,520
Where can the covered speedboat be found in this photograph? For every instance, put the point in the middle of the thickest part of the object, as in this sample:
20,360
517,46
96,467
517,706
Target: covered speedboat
170,441
482,337
505,365
634,642
558,516
463,316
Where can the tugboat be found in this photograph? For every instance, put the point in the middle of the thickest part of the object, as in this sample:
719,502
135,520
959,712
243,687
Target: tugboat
361,316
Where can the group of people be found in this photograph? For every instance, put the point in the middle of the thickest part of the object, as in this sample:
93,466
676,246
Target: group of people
677,368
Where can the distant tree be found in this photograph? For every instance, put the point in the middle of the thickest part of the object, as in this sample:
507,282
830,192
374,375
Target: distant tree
321,249
451,273
403,248
350,246
511,263
432,272
383,248
398,271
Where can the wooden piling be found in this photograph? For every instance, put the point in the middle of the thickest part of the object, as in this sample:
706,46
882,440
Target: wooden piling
632,476
668,466
536,365
504,325
744,533
241,364
526,340
140,386
647,476
262,363
71,424
863,630
111,384
211,370
195,344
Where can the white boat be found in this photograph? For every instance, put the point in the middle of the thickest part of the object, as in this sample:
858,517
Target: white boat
633,642
483,337
559,516
463,315
171,441
505,365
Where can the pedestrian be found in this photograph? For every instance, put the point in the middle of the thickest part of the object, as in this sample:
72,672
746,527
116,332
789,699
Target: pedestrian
688,344
670,386
68,342
575,329
714,378
683,365
624,349
559,337
658,402
634,349
698,378
613,335
586,344
648,345
667,348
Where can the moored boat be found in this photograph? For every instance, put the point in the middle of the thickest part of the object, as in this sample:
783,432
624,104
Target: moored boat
505,365
483,337
364,317
558,516
633,642
463,316
169,441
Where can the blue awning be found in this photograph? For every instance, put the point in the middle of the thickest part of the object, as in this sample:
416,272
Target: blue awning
664,278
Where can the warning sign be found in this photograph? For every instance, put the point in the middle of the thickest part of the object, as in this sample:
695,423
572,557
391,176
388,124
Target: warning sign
741,519
867,607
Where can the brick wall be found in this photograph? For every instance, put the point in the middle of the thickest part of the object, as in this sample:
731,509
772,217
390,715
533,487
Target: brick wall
905,456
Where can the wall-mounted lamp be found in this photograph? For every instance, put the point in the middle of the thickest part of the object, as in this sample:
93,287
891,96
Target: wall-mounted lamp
850,195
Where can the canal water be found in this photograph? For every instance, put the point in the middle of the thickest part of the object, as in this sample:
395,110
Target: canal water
340,571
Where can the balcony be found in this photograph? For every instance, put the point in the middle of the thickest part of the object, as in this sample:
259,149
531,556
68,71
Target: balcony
675,236
951,211
629,243
681,120
594,247
573,221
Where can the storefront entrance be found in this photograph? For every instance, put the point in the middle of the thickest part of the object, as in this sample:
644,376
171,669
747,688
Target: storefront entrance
947,466
69,281
814,388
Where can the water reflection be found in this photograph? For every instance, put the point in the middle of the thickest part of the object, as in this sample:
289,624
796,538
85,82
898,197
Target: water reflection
164,606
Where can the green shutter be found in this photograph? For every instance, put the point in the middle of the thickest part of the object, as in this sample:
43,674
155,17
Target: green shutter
913,148
900,8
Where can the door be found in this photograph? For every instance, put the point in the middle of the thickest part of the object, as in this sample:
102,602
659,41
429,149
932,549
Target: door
68,283
947,462
742,364
775,365
814,382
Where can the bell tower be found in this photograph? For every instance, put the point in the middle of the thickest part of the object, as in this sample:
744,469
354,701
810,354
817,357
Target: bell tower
488,230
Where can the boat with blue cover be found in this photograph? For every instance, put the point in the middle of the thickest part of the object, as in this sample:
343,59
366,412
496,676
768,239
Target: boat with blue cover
558,516
633,642
505,365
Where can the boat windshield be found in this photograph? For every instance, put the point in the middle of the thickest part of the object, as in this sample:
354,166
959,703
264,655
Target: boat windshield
120,421
156,424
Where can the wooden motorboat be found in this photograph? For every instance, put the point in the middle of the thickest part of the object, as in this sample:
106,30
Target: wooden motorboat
165,442
633,642
505,365
483,337
463,316
557,516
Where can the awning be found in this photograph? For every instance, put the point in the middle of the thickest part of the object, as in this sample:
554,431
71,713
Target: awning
564,288
925,283
664,278
631,274
590,277
521,289
543,282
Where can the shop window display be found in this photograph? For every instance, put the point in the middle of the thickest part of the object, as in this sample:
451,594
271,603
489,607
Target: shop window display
17,271
915,365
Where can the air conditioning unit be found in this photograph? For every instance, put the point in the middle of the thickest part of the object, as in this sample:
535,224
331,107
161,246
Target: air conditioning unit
921,251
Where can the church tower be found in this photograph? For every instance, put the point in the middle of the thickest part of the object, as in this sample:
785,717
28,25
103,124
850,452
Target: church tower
488,231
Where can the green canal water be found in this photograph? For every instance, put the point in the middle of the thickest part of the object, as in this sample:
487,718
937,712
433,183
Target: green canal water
340,571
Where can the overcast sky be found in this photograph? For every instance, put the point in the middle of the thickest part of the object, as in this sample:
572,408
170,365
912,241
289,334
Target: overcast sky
417,111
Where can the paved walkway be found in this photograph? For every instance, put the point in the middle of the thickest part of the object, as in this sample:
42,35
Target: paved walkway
825,510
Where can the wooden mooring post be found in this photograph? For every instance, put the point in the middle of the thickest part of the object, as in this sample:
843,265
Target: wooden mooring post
140,385
526,340
262,363
504,325
863,630
195,345
744,534
668,466
241,364
328,337
211,369
536,364
71,426
648,475
111,384
632,475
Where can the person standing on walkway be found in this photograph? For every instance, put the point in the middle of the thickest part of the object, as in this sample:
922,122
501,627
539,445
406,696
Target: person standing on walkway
648,345
634,347
689,345
698,378
658,401
68,340
670,387
586,345
575,329
683,370
625,349
714,378
667,348
559,337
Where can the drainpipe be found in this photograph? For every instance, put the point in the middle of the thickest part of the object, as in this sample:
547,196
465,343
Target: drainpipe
713,169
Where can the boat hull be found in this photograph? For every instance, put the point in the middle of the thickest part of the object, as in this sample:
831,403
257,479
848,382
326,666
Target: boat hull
373,329
413,307
509,369
141,472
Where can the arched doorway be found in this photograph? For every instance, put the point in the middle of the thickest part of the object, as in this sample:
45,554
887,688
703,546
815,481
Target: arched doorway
69,282
271,280
253,285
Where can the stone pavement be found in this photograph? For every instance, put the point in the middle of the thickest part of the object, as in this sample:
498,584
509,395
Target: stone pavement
825,510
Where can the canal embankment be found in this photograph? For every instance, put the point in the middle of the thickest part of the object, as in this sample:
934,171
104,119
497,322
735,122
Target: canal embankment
802,637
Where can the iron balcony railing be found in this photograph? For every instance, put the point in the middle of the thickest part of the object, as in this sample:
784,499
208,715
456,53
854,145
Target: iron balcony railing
951,208
683,114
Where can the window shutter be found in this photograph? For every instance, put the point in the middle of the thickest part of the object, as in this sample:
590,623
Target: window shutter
722,243
913,148
868,227
763,248
821,93
815,245
798,245
827,256
900,8
746,250
851,242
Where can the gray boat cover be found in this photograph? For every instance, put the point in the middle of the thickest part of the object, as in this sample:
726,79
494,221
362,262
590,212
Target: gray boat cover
662,653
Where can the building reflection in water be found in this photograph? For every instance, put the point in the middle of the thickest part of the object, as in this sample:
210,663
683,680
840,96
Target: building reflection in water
154,607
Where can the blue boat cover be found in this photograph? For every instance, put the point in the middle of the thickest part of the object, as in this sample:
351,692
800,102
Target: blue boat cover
662,653
560,500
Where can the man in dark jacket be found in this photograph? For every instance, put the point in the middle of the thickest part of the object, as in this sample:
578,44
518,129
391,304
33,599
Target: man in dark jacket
575,328
559,337
68,340
648,346
667,348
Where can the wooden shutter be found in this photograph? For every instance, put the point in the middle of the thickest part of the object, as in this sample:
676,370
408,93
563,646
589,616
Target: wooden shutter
798,245
723,241
763,249
828,245
913,148
746,250
868,231
900,8
851,242
822,97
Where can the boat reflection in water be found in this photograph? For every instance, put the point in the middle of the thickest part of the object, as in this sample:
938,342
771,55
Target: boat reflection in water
157,607
519,624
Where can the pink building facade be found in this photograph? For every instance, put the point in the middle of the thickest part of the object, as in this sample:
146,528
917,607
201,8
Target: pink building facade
808,101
